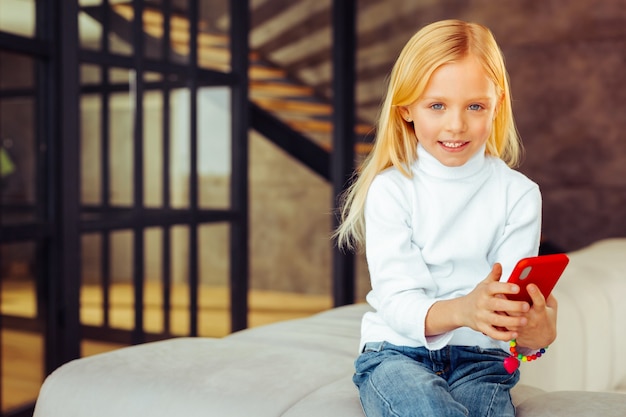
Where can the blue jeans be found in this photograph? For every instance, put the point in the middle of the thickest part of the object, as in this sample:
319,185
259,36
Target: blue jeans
454,381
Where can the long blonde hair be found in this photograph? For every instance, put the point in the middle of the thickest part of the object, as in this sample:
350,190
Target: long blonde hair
396,145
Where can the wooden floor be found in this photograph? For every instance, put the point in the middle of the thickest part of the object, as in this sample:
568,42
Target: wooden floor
22,352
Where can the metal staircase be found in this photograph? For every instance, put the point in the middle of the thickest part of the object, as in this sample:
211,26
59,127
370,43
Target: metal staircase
294,116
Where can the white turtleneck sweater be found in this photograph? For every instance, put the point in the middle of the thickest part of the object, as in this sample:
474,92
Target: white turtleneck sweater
436,236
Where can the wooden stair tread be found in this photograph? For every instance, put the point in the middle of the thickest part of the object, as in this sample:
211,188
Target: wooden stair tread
278,89
258,72
294,105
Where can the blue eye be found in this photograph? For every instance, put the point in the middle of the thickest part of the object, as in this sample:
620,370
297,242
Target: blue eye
475,107
437,106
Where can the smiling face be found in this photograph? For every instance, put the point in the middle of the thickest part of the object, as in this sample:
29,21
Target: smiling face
454,116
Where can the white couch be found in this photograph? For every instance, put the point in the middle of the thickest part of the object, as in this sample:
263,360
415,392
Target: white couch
590,351
303,367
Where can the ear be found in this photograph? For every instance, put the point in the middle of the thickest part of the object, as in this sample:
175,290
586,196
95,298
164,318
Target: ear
404,113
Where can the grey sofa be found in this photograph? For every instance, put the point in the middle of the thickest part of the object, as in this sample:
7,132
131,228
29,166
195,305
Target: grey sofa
303,367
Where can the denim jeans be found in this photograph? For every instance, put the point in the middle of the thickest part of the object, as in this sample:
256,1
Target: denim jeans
454,381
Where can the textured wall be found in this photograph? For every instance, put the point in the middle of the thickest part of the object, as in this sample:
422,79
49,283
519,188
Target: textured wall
569,102
290,225
290,222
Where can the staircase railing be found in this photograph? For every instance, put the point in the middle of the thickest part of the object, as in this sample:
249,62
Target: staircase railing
322,134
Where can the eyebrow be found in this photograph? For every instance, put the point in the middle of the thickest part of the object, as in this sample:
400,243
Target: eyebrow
437,98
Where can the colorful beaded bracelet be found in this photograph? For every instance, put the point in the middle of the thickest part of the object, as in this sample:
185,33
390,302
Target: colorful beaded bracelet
512,362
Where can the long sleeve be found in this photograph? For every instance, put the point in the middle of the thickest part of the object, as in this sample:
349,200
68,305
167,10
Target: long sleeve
521,234
435,236
403,288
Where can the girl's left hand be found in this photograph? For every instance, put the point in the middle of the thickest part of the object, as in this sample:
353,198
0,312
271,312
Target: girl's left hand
540,330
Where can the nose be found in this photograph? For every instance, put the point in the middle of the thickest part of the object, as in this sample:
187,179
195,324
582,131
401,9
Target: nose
455,122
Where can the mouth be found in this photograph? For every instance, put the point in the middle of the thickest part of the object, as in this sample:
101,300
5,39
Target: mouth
453,145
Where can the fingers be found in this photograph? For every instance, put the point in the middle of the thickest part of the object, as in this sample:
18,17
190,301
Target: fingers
497,288
541,326
496,272
504,319
490,312
538,300
510,321
552,303
504,335
502,328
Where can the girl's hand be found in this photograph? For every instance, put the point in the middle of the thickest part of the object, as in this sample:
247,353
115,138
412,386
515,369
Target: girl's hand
487,310
540,328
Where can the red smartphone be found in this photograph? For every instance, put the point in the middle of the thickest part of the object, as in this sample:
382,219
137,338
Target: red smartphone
543,271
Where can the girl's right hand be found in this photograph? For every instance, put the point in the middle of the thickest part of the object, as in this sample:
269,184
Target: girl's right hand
487,310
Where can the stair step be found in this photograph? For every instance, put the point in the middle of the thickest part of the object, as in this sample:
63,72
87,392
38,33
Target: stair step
257,72
270,87
294,106
279,89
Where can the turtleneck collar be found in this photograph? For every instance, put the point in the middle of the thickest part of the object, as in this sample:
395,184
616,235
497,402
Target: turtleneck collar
431,166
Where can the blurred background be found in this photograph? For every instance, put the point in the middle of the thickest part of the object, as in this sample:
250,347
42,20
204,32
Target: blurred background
134,221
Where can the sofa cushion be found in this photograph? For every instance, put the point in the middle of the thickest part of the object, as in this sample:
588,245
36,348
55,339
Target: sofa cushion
189,377
340,398
336,330
574,403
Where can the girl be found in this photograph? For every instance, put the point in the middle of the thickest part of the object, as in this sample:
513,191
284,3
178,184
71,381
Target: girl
443,217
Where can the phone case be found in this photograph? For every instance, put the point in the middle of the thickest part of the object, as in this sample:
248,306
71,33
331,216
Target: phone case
543,271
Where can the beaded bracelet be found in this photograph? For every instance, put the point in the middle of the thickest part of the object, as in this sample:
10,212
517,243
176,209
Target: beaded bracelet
512,362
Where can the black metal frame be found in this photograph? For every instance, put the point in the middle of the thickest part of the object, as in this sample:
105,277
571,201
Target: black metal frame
138,217
62,219
41,230
342,158
239,249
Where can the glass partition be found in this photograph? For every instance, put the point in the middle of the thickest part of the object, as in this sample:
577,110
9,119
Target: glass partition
18,17
150,222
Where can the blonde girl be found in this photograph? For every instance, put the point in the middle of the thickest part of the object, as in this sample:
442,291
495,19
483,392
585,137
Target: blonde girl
396,144
443,217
